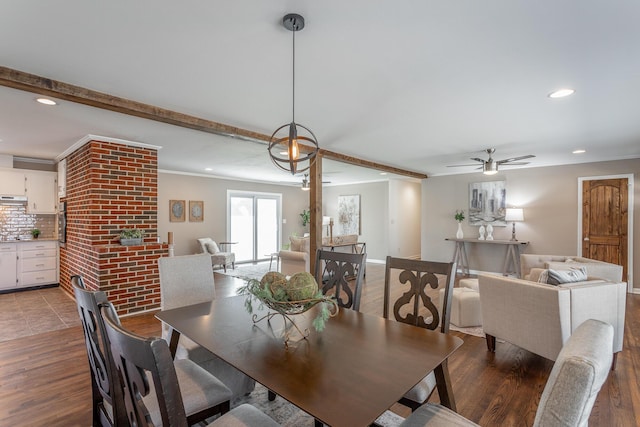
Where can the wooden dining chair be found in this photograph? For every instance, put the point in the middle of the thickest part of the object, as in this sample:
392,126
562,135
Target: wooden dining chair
417,306
108,403
156,390
334,273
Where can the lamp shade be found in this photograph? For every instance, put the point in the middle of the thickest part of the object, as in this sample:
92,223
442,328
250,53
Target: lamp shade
514,214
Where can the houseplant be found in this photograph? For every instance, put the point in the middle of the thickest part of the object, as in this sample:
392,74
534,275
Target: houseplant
35,233
131,236
459,216
306,217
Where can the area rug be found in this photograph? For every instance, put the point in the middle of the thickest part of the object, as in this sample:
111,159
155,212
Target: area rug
248,271
288,415
476,331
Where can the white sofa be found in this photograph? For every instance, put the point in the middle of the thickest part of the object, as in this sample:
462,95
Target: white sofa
599,269
540,317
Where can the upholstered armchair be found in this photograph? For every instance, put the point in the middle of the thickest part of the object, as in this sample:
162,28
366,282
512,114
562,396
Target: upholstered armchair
297,258
208,246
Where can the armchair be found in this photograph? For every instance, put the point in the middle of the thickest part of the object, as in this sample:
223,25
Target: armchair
297,258
208,246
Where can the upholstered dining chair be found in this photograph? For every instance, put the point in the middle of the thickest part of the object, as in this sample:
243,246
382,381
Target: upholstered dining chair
416,306
108,403
218,257
156,390
576,378
187,280
335,271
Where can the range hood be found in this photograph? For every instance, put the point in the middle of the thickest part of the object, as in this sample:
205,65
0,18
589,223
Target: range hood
13,199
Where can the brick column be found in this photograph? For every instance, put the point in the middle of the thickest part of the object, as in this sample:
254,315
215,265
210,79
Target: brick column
111,186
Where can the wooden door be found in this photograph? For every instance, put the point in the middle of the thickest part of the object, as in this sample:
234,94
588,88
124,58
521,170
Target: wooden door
604,221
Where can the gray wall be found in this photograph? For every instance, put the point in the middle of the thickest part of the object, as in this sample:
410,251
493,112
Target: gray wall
213,192
549,197
390,216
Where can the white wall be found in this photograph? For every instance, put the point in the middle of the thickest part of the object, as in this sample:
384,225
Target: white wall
549,197
404,219
213,192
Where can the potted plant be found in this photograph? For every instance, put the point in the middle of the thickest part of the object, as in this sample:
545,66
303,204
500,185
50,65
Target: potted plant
131,236
35,233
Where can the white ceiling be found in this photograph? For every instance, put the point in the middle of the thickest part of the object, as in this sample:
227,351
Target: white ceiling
415,84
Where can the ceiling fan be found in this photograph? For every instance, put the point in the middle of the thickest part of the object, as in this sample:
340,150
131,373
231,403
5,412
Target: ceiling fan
490,166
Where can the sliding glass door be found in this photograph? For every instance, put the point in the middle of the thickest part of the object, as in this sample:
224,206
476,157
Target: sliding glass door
254,223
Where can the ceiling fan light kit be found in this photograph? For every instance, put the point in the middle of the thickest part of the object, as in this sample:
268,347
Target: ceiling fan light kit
285,150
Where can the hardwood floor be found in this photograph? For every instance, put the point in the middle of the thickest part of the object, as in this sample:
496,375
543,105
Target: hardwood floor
44,378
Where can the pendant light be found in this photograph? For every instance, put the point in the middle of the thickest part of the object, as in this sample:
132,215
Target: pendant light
284,150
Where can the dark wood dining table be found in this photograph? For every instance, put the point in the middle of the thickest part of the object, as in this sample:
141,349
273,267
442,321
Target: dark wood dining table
346,375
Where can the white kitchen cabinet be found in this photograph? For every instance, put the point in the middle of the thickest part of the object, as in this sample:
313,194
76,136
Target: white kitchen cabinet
8,264
11,182
37,263
41,192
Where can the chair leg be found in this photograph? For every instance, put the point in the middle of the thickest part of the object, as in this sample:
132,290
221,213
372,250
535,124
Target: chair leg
271,396
317,423
225,268
491,343
614,361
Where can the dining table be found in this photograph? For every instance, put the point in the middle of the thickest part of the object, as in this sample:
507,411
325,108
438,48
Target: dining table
345,375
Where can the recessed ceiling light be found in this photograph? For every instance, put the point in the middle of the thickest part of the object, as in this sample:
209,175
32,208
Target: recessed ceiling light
561,93
208,169
580,151
383,173
46,101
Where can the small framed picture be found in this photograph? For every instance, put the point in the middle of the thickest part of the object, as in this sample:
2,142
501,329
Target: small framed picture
176,210
196,211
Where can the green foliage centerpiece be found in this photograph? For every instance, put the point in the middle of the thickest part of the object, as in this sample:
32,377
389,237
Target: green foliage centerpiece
287,298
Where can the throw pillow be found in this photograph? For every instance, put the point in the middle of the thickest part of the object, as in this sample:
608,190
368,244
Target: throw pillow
296,244
538,275
557,277
212,248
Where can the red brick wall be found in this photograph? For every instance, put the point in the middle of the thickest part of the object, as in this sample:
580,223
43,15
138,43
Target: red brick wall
110,187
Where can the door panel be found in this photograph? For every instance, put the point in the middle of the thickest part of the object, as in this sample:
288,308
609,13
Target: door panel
604,221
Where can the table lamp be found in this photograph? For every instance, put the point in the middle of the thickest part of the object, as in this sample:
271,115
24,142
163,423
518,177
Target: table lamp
514,214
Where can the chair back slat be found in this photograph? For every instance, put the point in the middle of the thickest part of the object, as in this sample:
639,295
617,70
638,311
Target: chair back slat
334,273
415,306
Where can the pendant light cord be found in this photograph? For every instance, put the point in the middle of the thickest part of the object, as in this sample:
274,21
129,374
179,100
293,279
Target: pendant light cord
293,103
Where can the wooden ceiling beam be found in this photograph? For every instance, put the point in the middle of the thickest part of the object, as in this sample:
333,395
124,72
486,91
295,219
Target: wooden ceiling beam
41,85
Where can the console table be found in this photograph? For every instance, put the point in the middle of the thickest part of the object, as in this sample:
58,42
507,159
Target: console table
512,256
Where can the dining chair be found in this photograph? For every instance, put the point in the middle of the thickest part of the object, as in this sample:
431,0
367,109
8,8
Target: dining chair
158,391
417,306
335,271
108,403
187,280
576,378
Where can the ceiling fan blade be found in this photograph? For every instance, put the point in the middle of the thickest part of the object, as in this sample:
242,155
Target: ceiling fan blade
459,166
513,159
477,160
515,163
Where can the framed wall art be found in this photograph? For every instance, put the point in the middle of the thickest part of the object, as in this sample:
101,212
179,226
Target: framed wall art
176,210
196,211
349,214
487,203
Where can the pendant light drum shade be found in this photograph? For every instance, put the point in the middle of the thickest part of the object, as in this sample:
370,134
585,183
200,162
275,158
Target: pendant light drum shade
285,148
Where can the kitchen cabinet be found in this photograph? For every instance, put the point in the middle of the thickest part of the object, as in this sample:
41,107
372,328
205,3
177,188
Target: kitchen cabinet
41,190
37,263
11,182
8,266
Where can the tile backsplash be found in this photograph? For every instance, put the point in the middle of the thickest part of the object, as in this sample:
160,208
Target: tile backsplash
16,223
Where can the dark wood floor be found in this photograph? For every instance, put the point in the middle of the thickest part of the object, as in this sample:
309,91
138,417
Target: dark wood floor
44,379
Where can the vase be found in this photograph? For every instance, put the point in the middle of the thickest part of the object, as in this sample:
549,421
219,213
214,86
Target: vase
481,230
489,232
459,233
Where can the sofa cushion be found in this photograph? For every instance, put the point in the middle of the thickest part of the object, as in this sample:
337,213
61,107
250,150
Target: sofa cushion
299,244
556,277
211,247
